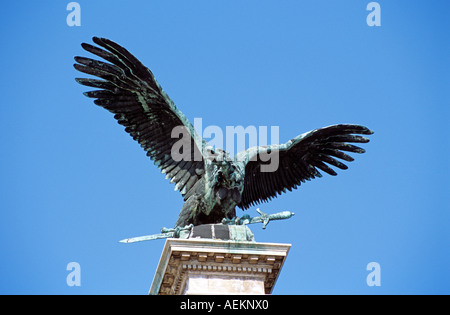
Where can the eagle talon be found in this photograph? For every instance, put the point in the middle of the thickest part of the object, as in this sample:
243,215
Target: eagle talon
232,221
245,219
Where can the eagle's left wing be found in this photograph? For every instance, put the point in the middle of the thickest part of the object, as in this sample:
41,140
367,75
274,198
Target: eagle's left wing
270,170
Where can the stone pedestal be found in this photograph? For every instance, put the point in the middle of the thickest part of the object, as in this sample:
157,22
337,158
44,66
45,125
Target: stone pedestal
218,266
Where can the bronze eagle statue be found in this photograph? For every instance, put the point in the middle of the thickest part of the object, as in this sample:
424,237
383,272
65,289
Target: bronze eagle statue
211,183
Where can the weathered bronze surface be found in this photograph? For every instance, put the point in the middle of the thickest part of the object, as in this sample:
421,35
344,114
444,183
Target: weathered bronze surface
235,228
211,183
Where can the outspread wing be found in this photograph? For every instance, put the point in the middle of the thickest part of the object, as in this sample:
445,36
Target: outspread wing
129,90
270,170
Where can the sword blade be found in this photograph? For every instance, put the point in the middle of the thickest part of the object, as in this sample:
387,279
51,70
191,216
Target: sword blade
146,238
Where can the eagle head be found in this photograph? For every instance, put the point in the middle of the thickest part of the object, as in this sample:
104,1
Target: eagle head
224,177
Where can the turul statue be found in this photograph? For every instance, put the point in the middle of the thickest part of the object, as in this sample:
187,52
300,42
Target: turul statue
211,183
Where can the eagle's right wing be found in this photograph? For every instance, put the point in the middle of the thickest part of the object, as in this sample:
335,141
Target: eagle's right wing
129,90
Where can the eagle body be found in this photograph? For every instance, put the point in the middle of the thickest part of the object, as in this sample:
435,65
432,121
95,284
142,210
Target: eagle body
216,196
211,183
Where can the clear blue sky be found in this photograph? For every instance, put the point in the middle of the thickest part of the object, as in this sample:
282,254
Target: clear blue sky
73,182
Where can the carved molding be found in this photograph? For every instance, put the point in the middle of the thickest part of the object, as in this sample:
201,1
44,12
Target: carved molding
182,258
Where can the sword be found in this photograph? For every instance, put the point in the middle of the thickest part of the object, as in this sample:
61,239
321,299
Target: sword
165,233
264,218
